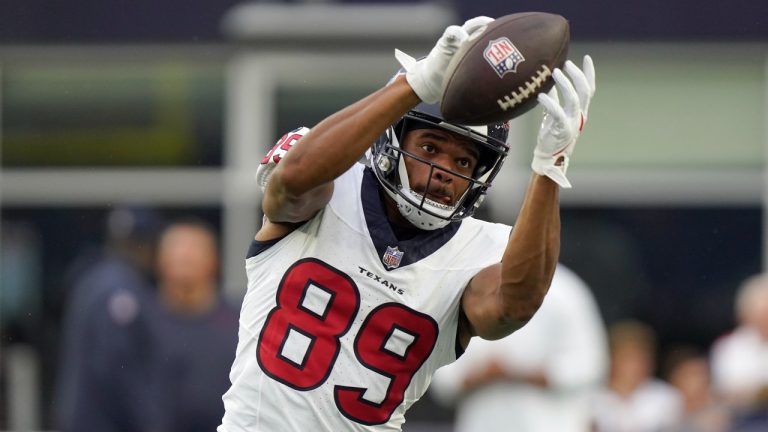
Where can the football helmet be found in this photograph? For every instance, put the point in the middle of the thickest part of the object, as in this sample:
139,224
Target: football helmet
387,160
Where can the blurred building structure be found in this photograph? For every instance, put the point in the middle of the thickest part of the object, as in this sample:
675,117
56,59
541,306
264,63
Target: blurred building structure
172,104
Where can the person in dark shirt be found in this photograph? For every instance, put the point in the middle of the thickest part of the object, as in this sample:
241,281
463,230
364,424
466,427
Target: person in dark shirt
194,331
143,359
104,363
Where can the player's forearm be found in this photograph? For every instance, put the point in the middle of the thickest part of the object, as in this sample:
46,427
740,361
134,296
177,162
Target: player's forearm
532,252
337,142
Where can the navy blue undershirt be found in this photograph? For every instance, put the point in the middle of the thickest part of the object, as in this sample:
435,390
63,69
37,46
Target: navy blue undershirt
258,246
416,244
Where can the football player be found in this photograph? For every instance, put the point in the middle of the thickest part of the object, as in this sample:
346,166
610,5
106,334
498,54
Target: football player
363,280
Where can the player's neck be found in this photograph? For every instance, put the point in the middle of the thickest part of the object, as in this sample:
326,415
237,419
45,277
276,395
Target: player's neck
402,229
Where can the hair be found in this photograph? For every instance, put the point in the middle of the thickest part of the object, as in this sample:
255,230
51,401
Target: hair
133,223
632,332
749,291
679,355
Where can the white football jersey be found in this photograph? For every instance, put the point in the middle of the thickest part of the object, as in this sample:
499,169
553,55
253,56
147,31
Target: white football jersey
343,325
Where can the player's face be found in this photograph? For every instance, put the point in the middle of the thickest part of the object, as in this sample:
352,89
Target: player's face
451,152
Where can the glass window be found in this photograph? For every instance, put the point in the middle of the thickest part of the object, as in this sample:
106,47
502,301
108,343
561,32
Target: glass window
104,114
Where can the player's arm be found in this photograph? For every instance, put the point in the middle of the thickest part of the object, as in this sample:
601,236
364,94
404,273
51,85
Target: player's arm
302,183
503,297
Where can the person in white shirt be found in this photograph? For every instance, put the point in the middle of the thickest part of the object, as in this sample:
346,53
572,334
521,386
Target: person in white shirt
634,400
538,378
688,370
740,358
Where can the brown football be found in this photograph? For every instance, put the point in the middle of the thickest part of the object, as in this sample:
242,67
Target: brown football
497,74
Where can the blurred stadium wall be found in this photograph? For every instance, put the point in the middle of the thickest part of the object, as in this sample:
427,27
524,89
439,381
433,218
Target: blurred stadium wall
171,104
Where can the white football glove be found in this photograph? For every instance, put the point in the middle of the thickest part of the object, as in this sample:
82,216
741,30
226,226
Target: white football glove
425,76
562,125
276,154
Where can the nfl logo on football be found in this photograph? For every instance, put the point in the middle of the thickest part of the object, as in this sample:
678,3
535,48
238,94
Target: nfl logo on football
503,56
392,257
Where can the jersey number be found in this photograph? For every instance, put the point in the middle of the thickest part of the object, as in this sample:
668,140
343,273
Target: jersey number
300,341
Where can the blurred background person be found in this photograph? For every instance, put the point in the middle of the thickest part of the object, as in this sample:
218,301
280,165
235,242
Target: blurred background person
740,358
161,102
634,400
106,351
140,358
538,378
687,369
194,330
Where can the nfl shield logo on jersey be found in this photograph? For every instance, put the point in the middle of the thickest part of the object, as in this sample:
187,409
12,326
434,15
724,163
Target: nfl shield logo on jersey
392,257
503,56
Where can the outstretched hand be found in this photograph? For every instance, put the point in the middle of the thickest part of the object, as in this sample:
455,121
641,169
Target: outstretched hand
426,75
564,122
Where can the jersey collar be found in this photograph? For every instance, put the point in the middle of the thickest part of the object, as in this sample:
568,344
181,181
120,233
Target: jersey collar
413,249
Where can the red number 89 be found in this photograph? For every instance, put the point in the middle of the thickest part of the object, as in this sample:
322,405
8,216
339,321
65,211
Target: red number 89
323,328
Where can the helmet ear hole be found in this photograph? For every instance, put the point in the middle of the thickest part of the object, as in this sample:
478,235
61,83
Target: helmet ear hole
385,164
384,155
